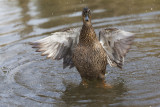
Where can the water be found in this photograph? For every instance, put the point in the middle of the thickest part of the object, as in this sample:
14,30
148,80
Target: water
28,79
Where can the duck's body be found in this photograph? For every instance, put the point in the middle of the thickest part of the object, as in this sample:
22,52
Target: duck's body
90,63
89,57
82,49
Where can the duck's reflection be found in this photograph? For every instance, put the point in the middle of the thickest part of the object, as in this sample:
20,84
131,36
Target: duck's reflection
93,95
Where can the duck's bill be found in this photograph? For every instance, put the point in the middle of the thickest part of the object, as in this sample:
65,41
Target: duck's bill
86,18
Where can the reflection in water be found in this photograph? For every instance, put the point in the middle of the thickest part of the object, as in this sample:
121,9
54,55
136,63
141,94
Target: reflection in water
23,4
93,95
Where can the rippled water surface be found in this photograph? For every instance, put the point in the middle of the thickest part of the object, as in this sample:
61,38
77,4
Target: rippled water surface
28,79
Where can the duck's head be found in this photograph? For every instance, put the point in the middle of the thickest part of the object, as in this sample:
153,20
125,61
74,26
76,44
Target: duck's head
86,15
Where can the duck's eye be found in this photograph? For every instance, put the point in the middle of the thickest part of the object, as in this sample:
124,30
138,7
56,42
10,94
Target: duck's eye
84,13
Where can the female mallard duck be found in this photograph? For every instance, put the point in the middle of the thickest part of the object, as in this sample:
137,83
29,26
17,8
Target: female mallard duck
82,49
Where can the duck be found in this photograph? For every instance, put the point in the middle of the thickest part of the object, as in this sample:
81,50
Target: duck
83,49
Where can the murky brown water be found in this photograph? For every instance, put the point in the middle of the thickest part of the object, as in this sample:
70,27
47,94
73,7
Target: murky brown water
28,79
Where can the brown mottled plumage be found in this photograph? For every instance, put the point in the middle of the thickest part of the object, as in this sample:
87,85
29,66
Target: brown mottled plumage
89,57
82,49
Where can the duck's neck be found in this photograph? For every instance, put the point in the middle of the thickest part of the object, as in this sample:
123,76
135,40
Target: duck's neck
87,34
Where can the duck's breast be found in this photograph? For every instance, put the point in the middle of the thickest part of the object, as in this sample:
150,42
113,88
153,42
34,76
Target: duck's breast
90,60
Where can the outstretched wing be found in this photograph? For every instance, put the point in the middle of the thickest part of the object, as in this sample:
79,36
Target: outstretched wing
59,45
116,44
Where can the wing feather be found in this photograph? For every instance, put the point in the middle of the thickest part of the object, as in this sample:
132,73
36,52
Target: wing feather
116,44
59,45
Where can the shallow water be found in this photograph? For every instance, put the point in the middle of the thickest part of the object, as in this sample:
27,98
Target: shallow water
28,79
